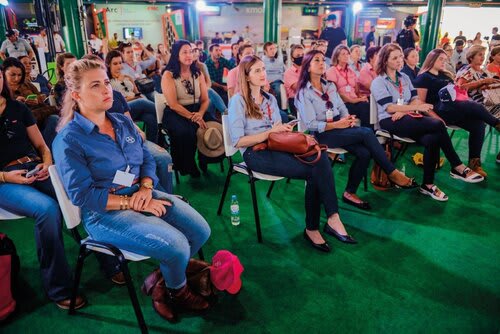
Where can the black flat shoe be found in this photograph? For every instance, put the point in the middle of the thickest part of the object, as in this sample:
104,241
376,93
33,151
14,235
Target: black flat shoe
324,247
344,238
362,205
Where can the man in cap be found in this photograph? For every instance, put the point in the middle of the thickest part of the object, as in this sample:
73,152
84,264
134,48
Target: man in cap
15,46
333,34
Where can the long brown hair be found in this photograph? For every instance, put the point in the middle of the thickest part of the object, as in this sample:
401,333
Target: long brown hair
73,79
383,56
252,110
430,60
61,58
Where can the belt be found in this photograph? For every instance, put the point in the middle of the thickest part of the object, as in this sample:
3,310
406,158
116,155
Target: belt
114,190
23,160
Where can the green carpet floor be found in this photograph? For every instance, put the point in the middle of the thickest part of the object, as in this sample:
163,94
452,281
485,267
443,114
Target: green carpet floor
421,266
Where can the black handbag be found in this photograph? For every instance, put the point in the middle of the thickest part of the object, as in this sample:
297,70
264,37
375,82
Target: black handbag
145,85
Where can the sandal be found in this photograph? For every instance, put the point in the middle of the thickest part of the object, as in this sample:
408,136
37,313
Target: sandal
468,175
434,192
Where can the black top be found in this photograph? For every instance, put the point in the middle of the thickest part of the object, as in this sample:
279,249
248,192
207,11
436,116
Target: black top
495,37
369,38
120,105
14,140
405,39
334,36
433,83
411,73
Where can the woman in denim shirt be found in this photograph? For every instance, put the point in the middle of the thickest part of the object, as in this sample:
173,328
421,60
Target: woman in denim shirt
108,173
253,115
402,113
324,114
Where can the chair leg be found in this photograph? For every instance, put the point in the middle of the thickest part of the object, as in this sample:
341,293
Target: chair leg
177,179
222,166
334,160
224,192
268,195
78,274
133,295
255,210
288,180
452,133
201,255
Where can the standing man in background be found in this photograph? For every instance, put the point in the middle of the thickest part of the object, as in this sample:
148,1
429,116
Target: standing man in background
333,34
408,36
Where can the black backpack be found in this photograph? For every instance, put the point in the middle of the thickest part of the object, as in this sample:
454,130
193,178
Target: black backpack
9,270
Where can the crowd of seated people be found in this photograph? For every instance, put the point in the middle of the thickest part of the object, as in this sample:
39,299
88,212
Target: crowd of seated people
98,100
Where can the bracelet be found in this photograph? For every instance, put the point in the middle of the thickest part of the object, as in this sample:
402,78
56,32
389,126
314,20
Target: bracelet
121,202
126,201
2,178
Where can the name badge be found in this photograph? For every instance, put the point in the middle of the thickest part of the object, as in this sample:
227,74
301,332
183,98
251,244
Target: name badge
348,89
329,115
124,178
401,102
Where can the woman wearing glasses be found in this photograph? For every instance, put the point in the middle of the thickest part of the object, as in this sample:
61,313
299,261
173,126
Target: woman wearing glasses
185,90
325,115
253,115
141,108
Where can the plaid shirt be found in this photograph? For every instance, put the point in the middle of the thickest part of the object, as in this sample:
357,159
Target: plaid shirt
217,73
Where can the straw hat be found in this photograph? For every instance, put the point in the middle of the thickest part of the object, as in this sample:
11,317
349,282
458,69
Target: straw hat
210,141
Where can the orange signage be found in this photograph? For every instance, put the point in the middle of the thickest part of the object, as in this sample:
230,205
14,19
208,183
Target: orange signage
389,23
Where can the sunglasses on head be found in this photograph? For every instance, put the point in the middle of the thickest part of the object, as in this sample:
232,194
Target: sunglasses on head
125,86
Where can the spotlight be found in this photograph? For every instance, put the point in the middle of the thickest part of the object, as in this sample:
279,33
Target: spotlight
357,7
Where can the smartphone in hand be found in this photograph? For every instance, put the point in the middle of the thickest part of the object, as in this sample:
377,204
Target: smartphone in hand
32,172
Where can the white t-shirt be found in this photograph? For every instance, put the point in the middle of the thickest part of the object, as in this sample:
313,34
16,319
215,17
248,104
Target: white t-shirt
41,42
59,43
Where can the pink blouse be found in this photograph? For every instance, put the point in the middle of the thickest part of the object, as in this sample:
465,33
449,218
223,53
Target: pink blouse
290,77
344,79
366,76
233,80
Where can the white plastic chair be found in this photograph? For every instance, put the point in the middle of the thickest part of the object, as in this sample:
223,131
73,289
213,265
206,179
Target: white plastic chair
243,169
88,245
284,99
6,215
385,135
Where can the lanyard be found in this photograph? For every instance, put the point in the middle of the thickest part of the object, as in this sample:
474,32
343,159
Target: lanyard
398,85
269,112
346,76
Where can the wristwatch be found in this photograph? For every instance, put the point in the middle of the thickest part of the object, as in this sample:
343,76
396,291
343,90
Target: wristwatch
147,185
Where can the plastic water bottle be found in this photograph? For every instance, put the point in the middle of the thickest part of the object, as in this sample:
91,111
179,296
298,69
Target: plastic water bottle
403,169
235,211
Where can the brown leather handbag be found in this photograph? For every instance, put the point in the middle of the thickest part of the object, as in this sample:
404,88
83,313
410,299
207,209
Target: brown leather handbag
299,144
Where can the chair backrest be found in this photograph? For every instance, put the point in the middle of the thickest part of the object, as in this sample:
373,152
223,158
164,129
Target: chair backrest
230,149
71,213
160,104
284,99
374,113
6,215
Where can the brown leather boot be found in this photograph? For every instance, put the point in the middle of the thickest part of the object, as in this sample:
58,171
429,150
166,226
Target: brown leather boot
160,301
475,165
198,277
187,300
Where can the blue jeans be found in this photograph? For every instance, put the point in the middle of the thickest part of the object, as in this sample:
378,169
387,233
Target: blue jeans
320,186
216,103
172,239
361,142
38,201
163,166
144,110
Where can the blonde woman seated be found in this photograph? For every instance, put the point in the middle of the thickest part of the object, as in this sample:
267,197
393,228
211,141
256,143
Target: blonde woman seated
108,172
